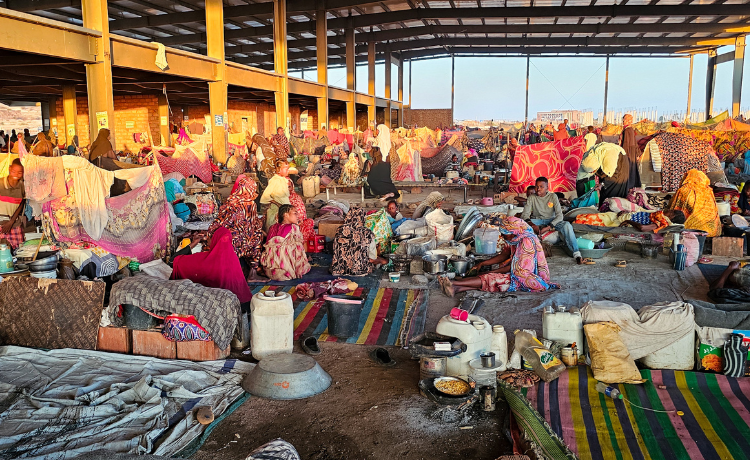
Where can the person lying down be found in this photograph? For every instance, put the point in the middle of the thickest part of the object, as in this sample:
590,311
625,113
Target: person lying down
641,221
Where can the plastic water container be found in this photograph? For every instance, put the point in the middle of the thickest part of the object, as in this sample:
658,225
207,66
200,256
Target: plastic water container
563,326
476,334
584,243
310,186
485,240
271,324
499,346
679,356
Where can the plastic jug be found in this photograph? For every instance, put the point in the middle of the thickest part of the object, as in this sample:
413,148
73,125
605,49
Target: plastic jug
544,363
499,346
271,324
485,240
6,259
309,188
563,326
583,243
475,333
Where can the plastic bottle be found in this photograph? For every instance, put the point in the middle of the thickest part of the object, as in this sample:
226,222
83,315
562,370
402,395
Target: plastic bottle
544,363
607,390
499,346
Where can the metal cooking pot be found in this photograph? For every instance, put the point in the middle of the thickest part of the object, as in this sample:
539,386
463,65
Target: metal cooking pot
461,264
42,264
434,264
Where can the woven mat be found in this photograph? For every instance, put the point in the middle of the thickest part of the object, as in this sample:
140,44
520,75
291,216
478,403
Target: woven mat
389,316
64,314
714,425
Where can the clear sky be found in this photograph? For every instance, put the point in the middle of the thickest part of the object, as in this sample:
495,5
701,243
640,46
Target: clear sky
494,87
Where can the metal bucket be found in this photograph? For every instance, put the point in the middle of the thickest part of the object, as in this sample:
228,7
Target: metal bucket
430,368
343,315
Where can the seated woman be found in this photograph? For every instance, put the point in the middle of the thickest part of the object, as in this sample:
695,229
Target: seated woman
379,178
219,267
306,225
523,266
240,214
284,257
695,199
354,248
277,191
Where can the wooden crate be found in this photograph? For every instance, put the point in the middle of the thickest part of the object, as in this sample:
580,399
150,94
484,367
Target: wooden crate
727,246
114,339
199,350
152,343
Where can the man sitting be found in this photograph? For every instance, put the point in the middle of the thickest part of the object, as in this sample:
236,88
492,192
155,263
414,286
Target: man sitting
543,209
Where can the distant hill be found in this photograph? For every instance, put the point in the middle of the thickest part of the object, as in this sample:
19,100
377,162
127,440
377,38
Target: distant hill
20,118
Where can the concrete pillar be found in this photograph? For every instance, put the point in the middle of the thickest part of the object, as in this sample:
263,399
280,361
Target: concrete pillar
388,76
690,92
164,121
351,115
52,106
99,74
739,63
710,83
400,91
70,114
371,121
217,90
321,39
453,88
280,63
45,115
371,67
351,61
526,112
606,90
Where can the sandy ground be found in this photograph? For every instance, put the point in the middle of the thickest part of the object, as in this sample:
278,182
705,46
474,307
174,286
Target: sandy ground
372,412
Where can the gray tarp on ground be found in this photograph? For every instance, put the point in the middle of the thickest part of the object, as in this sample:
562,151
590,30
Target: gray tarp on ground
60,404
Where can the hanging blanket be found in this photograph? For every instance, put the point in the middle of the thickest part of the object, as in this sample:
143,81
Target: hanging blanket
189,163
728,145
557,161
681,153
217,310
137,225
435,162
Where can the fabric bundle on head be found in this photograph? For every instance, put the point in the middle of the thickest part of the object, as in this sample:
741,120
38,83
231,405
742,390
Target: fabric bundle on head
627,120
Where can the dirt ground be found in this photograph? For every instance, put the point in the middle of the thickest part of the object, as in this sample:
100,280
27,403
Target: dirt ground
371,412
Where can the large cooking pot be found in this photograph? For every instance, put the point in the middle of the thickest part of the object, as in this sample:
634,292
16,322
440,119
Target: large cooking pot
461,264
434,264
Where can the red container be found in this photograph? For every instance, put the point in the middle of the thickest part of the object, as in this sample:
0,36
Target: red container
461,315
316,243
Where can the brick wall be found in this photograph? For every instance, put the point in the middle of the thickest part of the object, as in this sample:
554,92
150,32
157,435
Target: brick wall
431,118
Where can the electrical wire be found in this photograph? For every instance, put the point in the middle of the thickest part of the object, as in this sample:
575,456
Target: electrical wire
652,410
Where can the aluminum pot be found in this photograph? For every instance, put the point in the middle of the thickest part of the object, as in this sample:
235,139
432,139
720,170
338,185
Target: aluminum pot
461,264
434,264
43,264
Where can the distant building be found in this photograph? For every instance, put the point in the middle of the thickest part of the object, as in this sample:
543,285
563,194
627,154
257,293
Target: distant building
575,117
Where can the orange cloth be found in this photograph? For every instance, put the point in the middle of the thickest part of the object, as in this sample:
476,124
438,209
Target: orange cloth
696,199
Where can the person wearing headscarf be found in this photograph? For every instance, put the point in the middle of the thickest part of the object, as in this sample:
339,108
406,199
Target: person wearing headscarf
43,147
383,141
306,225
101,147
284,257
629,144
561,133
350,173
280,143
276,192
218,267
744,202
379,178
52,137
523,266
239,214
354,247
695,199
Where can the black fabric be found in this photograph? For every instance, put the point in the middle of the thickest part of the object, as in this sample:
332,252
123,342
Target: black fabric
617,185
729,296
743,203
379,180
629,144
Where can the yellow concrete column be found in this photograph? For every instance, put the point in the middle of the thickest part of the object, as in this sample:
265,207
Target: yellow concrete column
351,59
99,74
280,63
371,121
217,90
70,114
739,64
400,91
321,37
164,121
351,114
371,67
387,120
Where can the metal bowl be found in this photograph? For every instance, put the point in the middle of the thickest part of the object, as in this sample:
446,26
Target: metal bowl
43,264
434,263
287,376
470,221
461,264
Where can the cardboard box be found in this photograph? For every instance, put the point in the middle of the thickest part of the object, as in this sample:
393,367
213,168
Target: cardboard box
199,350
152,343
114,339
328,228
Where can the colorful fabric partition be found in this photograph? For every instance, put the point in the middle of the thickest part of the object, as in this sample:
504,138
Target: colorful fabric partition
557,161
728,144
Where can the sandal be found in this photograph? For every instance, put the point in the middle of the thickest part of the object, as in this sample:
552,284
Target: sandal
705,260
310,346
382,357
622,264
585,261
